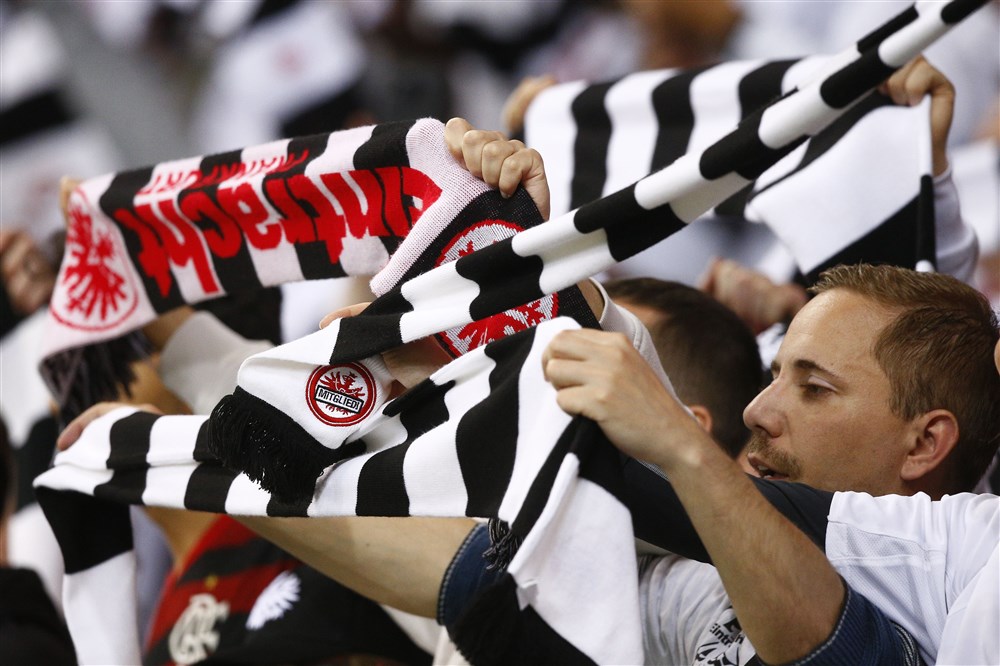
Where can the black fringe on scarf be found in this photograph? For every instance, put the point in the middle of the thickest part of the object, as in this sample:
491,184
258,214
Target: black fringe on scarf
249,435
503,545
83,376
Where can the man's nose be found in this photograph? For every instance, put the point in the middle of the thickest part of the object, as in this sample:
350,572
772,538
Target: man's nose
761,413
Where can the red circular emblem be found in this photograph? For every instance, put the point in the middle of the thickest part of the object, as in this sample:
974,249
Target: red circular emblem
463,339
95,291
341,395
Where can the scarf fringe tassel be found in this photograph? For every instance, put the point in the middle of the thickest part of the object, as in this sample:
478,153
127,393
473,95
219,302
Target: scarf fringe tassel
250,436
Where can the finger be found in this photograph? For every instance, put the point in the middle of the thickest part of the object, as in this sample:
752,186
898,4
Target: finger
908,87
566,372
918,83
707,281
525,167
72,432
466,143
454,130
18,289
66,187
574,400
340,313
895,85
7,236
559,346
18,249
942,94
38,294
603,350
495,158
414,362
516,106
473,144
566,344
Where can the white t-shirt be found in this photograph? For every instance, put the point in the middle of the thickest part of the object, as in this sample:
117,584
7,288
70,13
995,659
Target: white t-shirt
932,567
686,615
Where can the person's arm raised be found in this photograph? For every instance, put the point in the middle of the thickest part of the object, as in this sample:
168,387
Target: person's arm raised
785,593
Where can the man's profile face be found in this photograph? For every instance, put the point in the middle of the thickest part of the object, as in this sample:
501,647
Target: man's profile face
825,418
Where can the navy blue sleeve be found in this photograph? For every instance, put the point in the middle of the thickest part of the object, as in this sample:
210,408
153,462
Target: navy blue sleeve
467,575
659,517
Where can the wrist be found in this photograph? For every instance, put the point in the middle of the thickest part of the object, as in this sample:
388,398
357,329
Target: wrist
685,450
939,163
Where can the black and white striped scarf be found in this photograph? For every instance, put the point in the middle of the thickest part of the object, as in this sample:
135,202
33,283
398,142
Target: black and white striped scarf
427,452
481,437
875,206
386,200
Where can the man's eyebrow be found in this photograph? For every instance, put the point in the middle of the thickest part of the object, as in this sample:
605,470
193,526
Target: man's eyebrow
806,365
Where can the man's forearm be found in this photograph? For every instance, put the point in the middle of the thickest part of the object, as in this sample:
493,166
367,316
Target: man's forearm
398,562
786,594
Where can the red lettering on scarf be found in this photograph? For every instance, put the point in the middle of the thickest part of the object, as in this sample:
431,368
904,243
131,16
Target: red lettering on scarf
192,246
174,181
164,182
152,258
243,205
329,225
362,211
297,225
364,203
225,239
161,247
187,249
421,190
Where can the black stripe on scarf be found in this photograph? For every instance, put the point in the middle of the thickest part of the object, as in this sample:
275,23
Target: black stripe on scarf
523,274
876,37
236,272
388,146
756,89
118,203
630,228
494,632
825,140
90,530
958,9
743,152
842,87
673,108
593,133
130,442
483,435
293,195
209,484
381,484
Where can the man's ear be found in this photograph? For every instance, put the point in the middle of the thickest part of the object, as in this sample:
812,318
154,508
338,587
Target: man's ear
702,416
935,435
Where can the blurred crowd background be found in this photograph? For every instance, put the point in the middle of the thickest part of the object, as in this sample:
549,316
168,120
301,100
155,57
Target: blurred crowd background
92,86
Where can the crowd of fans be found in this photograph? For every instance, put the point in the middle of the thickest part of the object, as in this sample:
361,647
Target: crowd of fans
840,430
